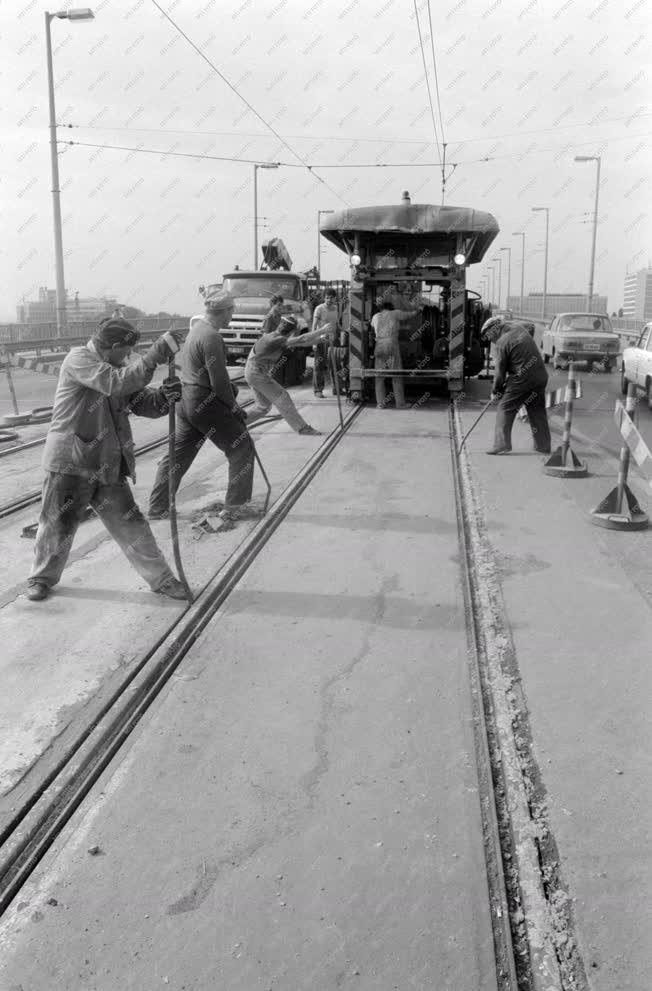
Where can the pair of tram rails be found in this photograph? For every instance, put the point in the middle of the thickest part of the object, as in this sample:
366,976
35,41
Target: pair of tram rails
37,810
387,248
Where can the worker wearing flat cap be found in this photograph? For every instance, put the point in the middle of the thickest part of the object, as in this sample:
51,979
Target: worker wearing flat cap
209,411
520,379
89,453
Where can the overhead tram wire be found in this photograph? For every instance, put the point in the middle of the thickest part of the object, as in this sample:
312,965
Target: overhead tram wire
247,104
338,137
425,71
444,177
354,165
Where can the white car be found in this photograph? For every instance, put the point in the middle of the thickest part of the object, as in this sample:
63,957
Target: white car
637,364
581,337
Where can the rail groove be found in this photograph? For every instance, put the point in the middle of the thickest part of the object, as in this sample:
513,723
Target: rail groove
42,815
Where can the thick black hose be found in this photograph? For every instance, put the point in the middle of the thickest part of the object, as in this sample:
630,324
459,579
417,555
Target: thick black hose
172,493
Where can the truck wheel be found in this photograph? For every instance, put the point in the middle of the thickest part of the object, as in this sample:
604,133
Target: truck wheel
648,393
546,357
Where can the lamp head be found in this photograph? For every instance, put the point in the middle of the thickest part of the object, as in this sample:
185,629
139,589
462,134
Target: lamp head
76,14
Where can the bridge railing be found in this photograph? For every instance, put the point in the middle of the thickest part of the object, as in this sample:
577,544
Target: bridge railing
43,336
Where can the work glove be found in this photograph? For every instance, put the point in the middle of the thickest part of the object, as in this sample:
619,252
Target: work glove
240,413
496,395
172,389
165,347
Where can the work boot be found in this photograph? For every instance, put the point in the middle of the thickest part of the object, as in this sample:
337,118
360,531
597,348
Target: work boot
231,514
310,431
172,588
500,450
37,591
319,394
159,516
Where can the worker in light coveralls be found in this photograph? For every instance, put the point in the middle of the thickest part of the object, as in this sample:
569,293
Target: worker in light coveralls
520,379
89,454
387,352
209,411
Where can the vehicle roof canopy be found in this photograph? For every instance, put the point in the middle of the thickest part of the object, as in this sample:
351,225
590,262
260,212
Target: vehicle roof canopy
441,223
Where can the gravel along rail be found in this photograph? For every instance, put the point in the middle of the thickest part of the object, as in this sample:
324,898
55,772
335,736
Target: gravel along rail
32,825
33,497
522,858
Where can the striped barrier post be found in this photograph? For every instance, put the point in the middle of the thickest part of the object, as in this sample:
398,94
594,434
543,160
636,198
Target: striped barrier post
356,344
456,338
611,512
564,463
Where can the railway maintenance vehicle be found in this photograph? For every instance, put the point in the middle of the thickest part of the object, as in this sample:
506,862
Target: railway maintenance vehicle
424,250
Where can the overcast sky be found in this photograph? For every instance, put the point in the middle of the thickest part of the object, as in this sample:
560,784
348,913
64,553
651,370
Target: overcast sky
525,84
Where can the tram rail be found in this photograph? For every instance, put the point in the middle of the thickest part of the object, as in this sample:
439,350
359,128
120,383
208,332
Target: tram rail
50,798
34,497
37,810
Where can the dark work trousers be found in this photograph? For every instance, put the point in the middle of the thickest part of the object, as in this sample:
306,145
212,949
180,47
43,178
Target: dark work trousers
534,401
320,365
201,417
65,498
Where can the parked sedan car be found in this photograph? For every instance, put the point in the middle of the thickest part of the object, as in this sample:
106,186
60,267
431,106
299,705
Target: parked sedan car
637,364
581,337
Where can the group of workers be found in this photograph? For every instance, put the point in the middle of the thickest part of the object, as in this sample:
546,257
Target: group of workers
89,450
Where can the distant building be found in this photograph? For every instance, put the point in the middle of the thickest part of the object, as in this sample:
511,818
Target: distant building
563,302
638,295
78,310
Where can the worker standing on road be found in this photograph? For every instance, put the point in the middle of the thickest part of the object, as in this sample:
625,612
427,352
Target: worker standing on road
274,314
520,379
89,453
209,411
264,358
325,316
387,352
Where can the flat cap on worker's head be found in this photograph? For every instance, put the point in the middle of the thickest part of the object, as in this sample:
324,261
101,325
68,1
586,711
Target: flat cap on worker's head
288,324
218,300
492,328
116,331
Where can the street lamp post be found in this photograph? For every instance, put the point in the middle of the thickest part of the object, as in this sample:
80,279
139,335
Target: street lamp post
592,158
319,214
509,274
264,165
490,269
500,272
80,14
546,209
521,234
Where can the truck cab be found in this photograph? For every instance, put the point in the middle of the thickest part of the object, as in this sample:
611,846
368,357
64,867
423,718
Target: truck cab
252,291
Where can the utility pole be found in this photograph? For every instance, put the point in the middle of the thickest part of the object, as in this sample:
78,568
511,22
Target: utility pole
546,209
509,274
521,234
597,160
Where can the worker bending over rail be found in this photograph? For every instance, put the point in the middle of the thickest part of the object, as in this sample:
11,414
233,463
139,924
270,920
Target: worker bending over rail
89,453
265,357
209,411
520,379
387,352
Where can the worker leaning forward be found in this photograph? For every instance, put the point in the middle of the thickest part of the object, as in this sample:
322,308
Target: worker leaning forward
387,351
209,411
520,379
265,358
325,318
89,454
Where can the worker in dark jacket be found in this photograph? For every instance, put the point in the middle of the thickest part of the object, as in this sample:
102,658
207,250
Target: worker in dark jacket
520,379
209,411
89,453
